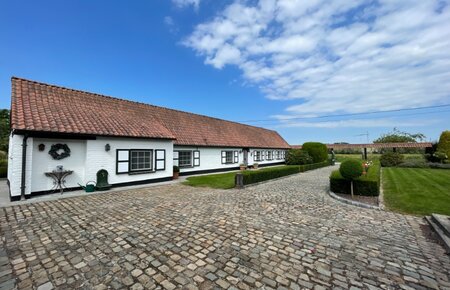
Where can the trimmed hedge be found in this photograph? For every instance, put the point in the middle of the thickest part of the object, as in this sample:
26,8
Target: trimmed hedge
298,157
391,159
254,176
318,151
3,171
306,167
368,184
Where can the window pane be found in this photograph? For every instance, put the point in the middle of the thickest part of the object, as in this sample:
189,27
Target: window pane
185,158
141,160
229,156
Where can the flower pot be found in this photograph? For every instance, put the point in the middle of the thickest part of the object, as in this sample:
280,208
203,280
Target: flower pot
175,175
255,166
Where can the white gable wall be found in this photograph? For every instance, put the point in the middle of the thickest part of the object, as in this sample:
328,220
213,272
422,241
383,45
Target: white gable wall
42,162
15,164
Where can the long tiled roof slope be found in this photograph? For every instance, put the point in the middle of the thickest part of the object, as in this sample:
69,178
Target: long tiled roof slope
48,108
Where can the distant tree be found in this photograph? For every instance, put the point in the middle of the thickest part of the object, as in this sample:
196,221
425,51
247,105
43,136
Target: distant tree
4,129
397,136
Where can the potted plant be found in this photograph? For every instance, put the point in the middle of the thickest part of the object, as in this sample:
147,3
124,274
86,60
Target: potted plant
255,165
242,166
176,172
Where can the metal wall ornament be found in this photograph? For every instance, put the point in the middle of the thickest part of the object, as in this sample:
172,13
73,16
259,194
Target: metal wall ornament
41,147
55,149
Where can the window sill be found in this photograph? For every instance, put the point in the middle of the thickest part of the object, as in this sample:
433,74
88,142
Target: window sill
140,172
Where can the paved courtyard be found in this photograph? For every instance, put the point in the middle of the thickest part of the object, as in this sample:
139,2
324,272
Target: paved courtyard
285,234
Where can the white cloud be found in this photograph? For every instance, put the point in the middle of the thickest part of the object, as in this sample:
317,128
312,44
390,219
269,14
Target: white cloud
170,24
185,3
334,56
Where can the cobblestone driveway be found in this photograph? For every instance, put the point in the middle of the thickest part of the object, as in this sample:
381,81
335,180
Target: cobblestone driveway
282,234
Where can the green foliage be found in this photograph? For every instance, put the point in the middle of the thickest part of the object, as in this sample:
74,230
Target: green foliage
397,136
367,185
3,167
444,143
4,129
414,163
3,171
298,157
351,169
318,151
390,159
312,166
176,168
253,176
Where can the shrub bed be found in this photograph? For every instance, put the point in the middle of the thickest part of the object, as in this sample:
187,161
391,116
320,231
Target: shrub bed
316,150
390,159
368,184
3,168
264,174
306,167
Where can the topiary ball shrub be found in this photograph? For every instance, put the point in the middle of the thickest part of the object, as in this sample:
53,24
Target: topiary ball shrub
351,169
298,157
390,159
318,151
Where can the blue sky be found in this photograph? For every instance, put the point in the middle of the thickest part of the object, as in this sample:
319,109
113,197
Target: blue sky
282,63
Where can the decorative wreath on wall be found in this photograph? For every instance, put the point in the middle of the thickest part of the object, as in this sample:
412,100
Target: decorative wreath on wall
54,151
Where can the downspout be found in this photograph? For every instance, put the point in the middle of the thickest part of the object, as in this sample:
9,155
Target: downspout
24,163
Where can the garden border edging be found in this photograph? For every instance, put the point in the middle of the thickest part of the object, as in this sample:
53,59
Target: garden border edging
353,202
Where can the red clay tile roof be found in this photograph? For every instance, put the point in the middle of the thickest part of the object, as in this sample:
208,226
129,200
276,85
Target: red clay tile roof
47,108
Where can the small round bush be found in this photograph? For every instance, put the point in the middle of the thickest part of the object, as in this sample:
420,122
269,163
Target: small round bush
444,143
318,151
298,157
351,169
390,159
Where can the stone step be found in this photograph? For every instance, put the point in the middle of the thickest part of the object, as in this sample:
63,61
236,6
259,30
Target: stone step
443,221
441,234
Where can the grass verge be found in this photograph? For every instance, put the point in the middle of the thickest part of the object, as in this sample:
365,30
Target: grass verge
419,191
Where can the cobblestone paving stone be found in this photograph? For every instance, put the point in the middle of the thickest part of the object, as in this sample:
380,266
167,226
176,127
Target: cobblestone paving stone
285,234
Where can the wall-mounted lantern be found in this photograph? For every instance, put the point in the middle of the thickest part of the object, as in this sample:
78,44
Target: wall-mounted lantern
107,147
41,147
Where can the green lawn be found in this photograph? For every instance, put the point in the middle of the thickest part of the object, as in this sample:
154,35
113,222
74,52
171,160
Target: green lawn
419,191
223,180
342,157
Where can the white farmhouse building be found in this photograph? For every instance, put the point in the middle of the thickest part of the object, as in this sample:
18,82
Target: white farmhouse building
135,143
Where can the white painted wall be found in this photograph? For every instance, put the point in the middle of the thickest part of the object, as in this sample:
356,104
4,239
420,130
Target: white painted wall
42,162
251,157
210,158
97,158
87,158
15,164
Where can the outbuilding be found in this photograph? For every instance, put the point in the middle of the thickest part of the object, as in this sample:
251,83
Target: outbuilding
60,129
